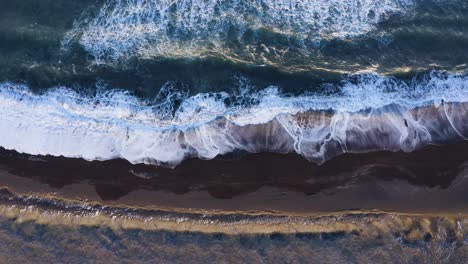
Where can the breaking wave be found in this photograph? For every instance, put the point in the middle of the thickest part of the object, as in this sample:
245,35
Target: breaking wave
368,113
188,27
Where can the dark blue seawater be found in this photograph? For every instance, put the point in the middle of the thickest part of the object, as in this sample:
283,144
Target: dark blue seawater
161,81
165,97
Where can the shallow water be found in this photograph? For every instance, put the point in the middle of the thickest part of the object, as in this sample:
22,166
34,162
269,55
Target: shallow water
107,80
235,107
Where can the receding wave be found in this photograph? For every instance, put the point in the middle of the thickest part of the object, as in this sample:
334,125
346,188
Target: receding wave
188,27
368,112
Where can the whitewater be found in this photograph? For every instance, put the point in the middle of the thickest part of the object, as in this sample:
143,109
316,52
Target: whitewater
142,28
370,113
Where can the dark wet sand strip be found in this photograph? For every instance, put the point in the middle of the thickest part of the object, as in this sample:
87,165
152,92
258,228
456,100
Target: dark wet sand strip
363,208
431,180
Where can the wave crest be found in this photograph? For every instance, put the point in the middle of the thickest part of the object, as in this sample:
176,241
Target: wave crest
368,113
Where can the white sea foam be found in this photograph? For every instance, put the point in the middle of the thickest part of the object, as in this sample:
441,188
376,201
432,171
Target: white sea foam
125,28
372,113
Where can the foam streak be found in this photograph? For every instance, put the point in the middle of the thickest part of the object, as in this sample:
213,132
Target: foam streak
374,113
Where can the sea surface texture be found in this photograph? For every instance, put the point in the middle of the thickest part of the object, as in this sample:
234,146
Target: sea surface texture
297,106
159,81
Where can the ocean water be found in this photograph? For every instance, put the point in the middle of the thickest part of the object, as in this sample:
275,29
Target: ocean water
374,113
180,98
161,81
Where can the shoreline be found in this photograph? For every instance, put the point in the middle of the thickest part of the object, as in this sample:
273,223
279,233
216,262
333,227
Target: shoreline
56,212
428,180
367,237
248,194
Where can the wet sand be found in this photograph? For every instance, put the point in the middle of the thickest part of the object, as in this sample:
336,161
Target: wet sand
347,239
38,229
430,180
381,207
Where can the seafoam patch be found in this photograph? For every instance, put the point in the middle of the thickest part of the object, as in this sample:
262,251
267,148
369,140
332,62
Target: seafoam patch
115,124
124,28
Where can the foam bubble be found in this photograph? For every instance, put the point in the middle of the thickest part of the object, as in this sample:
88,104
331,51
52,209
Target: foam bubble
370,113
124,28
